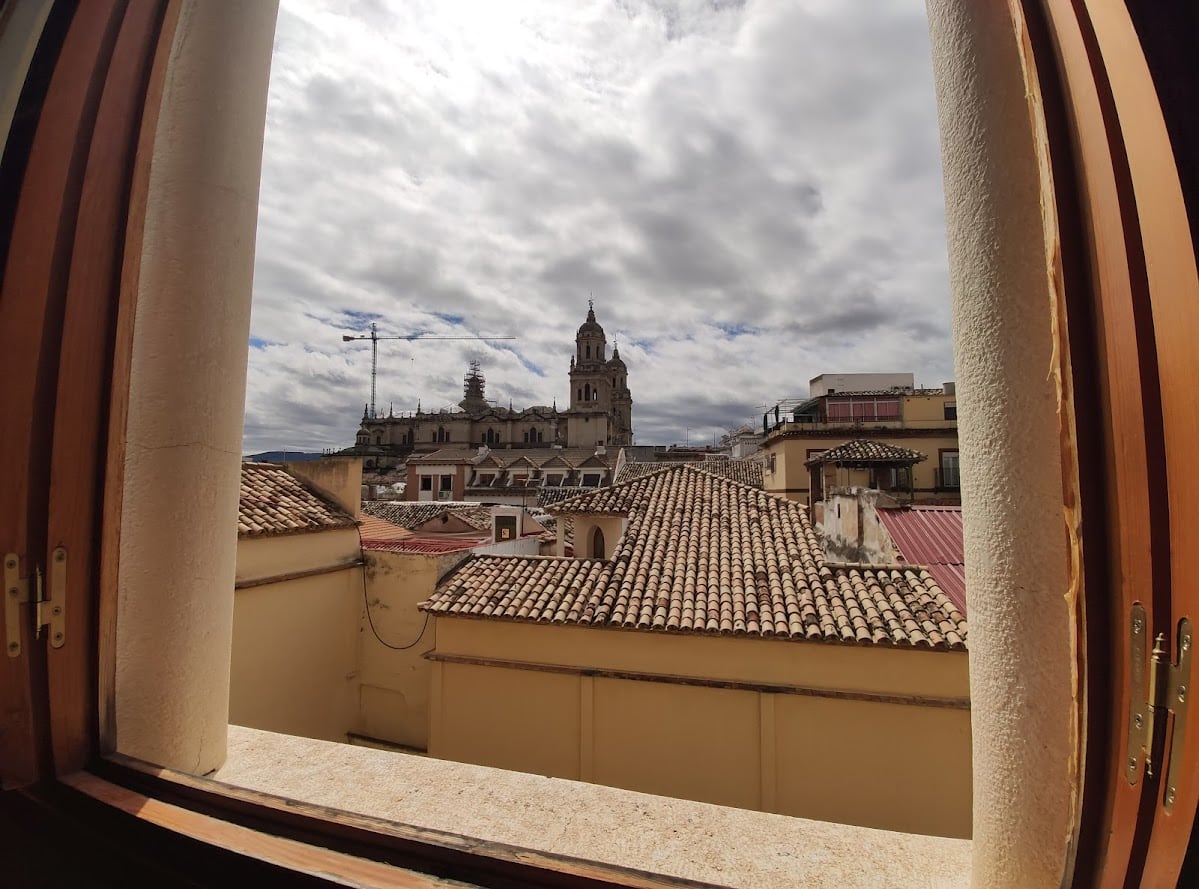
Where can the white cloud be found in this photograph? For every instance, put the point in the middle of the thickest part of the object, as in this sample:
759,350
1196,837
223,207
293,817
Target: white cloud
751,191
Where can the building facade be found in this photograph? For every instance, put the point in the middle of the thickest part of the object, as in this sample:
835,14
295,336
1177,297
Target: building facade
600,413
922,420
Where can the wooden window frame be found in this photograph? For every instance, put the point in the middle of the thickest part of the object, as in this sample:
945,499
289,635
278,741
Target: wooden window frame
1131,317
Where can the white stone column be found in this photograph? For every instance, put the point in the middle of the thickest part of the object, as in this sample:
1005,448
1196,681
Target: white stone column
187,388
1022,643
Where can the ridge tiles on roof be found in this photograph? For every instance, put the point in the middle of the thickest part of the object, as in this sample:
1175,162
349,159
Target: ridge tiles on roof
705,554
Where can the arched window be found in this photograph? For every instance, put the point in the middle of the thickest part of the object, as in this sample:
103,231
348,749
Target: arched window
378,439
491,437
589,350
580,395
441,434
597,544
587,392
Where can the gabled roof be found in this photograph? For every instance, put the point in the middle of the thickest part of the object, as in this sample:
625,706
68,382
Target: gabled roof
548,496
411,513
503,456
932,536
273,501
704,554
748,472
373,529
866,451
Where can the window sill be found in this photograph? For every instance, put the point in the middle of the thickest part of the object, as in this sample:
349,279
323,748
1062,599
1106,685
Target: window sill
652,834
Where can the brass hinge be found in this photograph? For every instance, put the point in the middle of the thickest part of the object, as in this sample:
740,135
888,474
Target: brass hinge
48,600
1158,687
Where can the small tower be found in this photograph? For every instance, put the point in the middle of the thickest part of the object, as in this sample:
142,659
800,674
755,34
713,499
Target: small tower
620,425
473,386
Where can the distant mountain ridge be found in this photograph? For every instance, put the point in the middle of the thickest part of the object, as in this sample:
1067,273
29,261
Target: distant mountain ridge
283,457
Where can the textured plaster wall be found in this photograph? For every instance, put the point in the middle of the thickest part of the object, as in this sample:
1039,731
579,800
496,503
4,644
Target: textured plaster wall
1021,639
175,601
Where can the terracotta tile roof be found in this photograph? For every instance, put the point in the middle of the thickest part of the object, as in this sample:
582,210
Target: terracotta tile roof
505,457
550,496
704,554
371,529
932,536
411,513
864,450
748,472
273,501
431,546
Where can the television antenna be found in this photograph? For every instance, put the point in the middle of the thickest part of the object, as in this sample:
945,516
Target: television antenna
374,337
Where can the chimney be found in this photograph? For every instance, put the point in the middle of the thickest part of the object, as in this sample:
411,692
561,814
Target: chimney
949,388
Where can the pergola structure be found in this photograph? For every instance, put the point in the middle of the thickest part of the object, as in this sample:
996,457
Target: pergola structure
863,462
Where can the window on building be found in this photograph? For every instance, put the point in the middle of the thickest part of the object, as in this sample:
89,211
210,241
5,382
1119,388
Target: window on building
447,483
949,476
951,410
441,434
591,479
426,483
597,544
553,480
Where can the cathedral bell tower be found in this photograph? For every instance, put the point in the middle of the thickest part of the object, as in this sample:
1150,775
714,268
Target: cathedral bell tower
590,385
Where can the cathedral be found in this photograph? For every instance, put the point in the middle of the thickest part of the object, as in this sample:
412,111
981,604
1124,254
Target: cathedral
600,413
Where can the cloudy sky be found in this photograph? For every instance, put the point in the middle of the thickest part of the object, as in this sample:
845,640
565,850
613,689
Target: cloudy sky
751,191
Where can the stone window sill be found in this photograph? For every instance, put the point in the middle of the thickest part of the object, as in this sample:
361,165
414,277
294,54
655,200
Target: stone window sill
659,835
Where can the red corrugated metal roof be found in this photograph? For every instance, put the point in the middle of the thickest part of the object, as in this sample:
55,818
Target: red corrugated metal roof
932,536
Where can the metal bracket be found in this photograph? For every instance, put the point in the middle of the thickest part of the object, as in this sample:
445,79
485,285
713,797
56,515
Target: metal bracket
1158,689
1178,702
48,611
1140,714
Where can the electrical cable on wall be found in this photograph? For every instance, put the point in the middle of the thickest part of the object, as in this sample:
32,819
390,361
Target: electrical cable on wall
370,620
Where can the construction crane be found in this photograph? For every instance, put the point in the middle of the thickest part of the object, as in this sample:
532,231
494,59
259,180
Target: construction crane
374,337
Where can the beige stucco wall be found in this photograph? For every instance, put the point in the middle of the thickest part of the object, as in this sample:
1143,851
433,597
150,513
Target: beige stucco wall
295,650
612,527
793,753
260,558
394,685
338,478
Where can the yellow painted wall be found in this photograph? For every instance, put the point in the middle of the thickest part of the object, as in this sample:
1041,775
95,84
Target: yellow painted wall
930,409
394,685
264,557
898,766
677,740
294,659
510,719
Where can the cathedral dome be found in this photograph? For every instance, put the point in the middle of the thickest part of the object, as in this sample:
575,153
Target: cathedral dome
590,326
615,361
